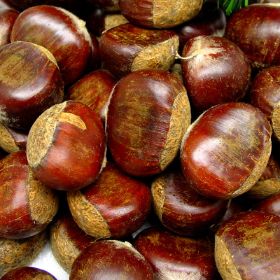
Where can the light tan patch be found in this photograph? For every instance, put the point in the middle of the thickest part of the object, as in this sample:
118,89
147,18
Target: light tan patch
167,274
168,13
42,200
72,119
87,216
179,122
7,142
112,21
275,119
160,56
264,189
158,194
41,134
47,53
224,261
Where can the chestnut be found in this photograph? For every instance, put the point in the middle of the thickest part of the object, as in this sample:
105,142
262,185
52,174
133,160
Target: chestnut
174,257
21,252
127,48
11,140
30,83
159,13
67,241
215,71
111,259
247,247
181,209
27,273
147,117
114,206
93,90
226,150
61,32
66,146
255,30
7,19
27,206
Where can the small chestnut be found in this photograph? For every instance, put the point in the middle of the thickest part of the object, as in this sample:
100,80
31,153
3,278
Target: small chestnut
7,19
27,273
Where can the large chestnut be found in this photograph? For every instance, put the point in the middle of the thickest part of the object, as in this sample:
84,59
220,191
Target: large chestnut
215,71
148,115
111,259
61,32
66,146
27,206
30,83
27,273
256,30
226,150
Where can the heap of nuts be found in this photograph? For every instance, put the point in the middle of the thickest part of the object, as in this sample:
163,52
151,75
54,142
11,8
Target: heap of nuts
142,137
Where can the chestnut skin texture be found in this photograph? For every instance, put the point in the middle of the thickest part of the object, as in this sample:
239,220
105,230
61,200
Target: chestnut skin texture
181,209
123,203
112,260
226,150
20,214
148,115
215,71
270,205
255,30
30,83
66,146
93,90
175,257
27,273
7,19
248,247
59,31
127,48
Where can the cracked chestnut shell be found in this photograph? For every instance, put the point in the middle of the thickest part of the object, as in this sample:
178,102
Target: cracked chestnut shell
226,150
27,273
148,115
66,146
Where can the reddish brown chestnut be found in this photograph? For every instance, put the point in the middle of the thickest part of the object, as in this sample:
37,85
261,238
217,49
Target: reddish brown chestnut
159,13
255,30
270,205
11,140
17,253
94,90
173,257
248,247
27,206
30,83
27,273
66,146
215,71
114,206
61,32
111,259
7,19
226,150
148,115
181,209
68,241
127,48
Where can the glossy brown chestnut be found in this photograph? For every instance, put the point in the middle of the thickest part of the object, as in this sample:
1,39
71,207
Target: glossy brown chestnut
181,209
61,32
27,273
255,30
27,206
173,257
30,83
226,150
127,48
148,115
111,259
114,206
248,247
18,253
7,19
215,71
11,140
159,13
66,146
68,241
93,90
